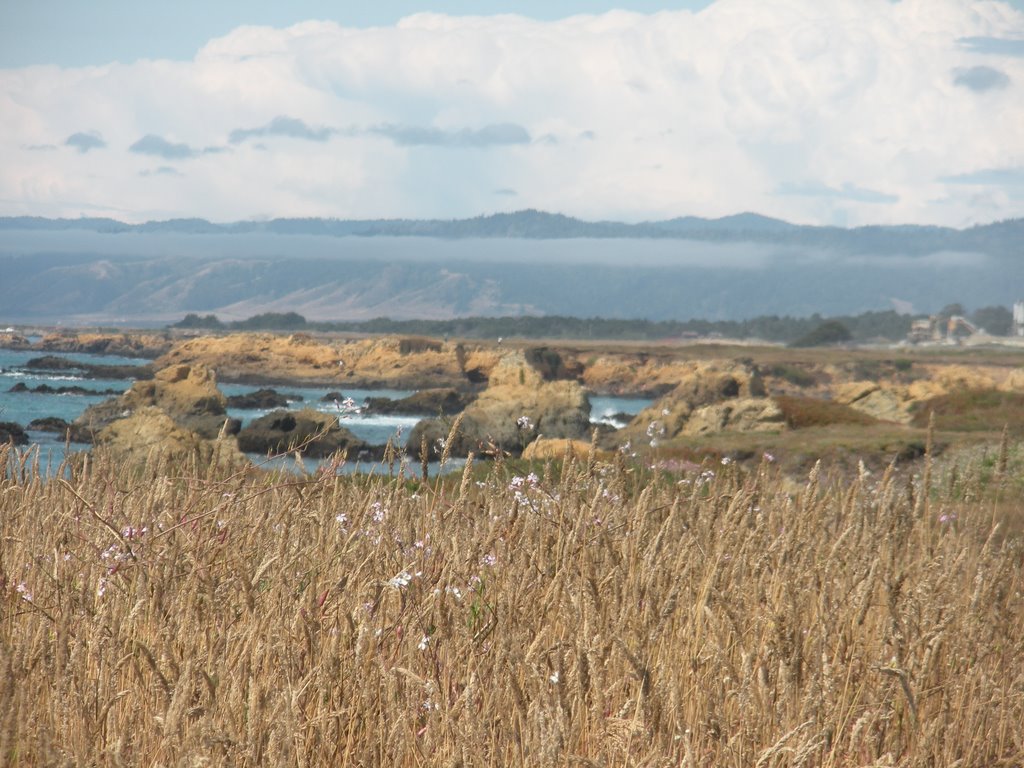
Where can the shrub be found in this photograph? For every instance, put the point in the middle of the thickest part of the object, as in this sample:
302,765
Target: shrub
795,375
829,332
974,410
802,412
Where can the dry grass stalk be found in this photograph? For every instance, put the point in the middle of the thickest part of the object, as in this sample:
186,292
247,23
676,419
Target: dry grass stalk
600,615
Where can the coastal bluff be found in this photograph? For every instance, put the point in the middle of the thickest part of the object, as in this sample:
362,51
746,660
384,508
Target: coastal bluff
407,363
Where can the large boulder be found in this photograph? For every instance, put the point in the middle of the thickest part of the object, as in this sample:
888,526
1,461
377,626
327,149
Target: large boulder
188,394
150,431
888,403
10,432
516,408
750,414
544,448
445,401
314,433
262,399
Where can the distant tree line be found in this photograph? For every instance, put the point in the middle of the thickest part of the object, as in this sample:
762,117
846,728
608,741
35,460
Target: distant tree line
811,330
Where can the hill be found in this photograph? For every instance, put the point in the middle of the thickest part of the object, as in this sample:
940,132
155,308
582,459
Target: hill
100,270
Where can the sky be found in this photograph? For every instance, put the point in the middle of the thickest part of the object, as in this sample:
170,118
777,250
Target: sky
815,111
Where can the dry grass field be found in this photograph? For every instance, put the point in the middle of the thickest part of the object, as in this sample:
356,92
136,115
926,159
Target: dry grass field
590,614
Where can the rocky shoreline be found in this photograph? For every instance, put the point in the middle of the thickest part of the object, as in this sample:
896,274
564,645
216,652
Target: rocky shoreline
507,397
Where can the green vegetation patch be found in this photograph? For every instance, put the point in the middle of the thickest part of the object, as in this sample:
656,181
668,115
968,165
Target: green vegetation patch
794,374
803,412
829,332
974,410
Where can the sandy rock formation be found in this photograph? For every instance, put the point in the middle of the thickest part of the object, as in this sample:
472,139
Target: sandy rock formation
401,362
149,345
643,374
705,383
547,448
748,414
517,406
1014,381
897,402
188,394
879,402
149,430
13,340
942,380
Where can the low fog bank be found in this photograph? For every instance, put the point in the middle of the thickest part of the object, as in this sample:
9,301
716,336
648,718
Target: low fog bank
139,278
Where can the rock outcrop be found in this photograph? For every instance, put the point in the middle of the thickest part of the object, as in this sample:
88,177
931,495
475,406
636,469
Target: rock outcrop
643,374
13,340
149,431
745,414
56,364
262,399
544,448
313,433
445,400
74,389
400,362
896,402
711,396
11,432
186,394
880,402
149,345
517,407
50,424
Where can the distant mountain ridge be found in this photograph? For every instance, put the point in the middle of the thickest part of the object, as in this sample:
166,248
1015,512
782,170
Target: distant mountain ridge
526,263
998,238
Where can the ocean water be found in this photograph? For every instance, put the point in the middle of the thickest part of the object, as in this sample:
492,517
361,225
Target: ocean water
23,407
608,410
376,429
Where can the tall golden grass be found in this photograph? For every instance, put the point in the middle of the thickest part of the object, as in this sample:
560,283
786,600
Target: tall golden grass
596,615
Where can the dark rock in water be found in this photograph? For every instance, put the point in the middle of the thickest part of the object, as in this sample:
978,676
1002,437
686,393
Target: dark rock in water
49,424
11,432
46,389
315,434
56,364
261,399
425,402
331,397
68,430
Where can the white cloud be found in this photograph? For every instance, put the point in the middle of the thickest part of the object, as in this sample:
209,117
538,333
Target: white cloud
811,110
